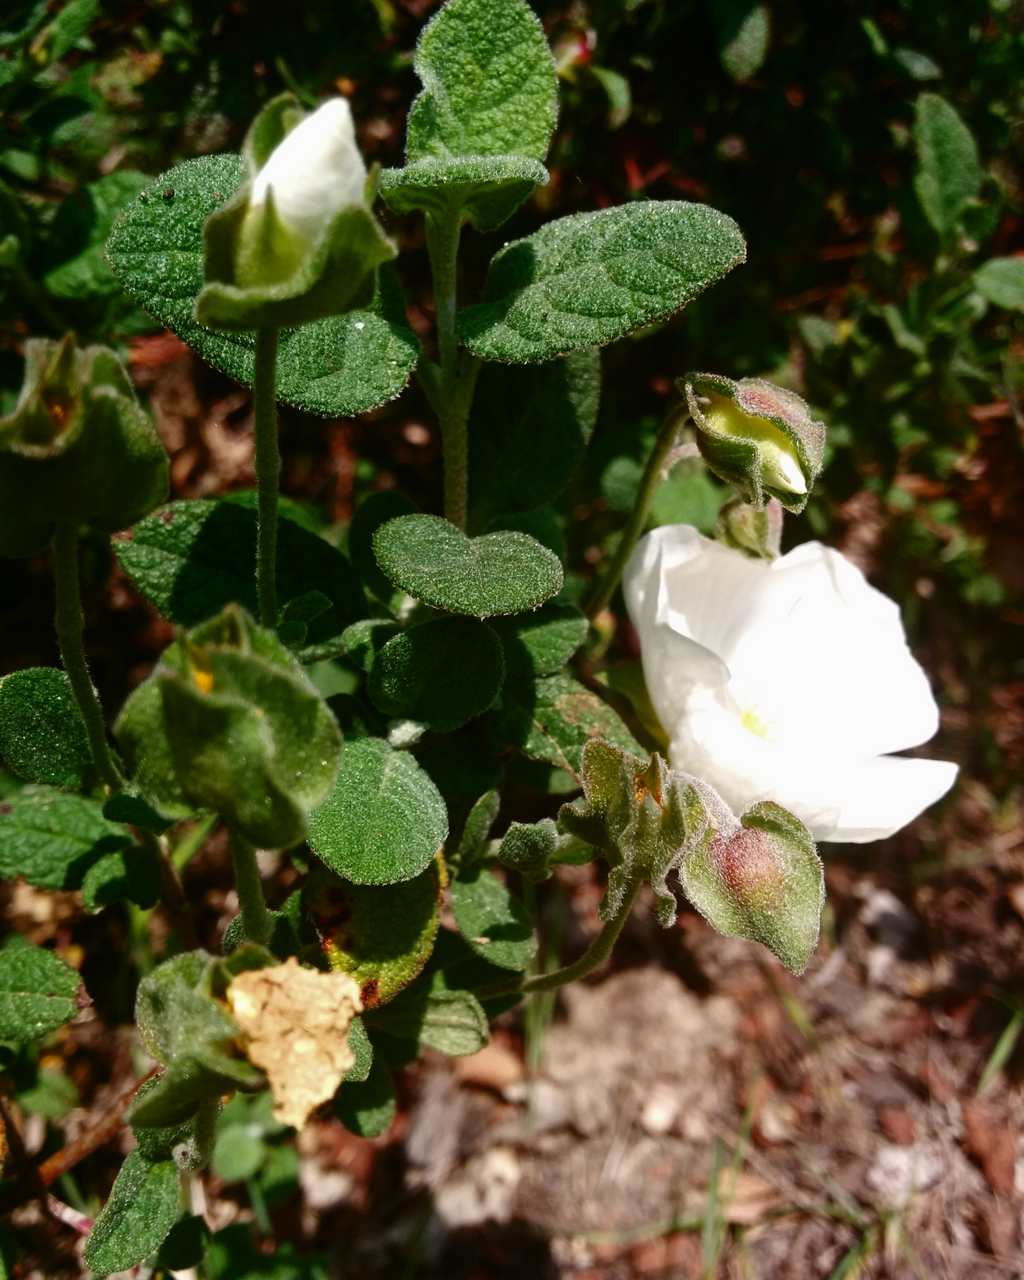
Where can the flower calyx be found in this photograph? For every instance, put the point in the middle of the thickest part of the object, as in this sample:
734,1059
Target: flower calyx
298,241
229,722
77,448
756,531
756,877
642,817
759,437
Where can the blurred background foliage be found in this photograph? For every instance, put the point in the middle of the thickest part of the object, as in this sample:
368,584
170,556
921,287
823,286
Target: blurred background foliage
797,119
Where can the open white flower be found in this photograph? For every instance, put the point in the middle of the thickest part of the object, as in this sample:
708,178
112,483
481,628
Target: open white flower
785,680
314,172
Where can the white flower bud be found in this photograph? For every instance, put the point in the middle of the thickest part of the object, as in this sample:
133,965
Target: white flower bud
314,172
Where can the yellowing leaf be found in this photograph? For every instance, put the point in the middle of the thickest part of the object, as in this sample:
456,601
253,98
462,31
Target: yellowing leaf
296,1023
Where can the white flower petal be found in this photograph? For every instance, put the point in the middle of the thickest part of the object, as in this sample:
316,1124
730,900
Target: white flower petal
787,680
315,171
878,797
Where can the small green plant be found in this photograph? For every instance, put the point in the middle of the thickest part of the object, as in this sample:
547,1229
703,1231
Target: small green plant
469,647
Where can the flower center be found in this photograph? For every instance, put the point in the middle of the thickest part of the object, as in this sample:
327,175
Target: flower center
753,722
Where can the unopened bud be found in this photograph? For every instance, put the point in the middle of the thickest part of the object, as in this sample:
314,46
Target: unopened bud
759,437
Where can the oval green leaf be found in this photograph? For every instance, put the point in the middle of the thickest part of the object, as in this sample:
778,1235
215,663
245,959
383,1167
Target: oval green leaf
495,924
499,573
383,821
192,558
442,673
585,280
42,736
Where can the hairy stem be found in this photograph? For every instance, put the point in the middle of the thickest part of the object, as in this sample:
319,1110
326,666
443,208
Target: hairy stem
256,920
454,391
652,477
69,625
268,472
596,954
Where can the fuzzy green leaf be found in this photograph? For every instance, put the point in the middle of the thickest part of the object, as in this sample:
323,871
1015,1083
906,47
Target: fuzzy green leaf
472,843
131,874
528,430
488,189
52,838
38,991
336,367
489,83
383,821
192,558
541,643
42,736
385,934
238,1153
948,169
441,673
372,512
553,719
80,227
495,924
451,1022
367,1107
142,1208
499,573
743,29
359,1043
587,279
1001,280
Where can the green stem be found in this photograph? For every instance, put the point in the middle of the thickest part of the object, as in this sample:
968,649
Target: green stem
596,954
454,393
268,472
256,919
69,625
630,535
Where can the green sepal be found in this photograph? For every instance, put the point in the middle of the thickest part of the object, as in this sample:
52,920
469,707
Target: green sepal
754,530
762,879
486,189
188,1030
744,426
259,274
337,274
77,448
229,722
641,817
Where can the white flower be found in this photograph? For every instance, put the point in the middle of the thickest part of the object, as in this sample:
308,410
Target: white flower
314,172
785,680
